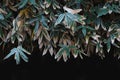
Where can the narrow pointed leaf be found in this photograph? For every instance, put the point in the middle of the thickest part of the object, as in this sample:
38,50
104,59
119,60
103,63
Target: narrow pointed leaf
84,31
12,52
22,49
60,18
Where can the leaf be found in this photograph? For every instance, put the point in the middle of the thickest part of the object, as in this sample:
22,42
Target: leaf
17,58
32,2
80,55
55,39
23,56
46,35
40,39
64,51
102,11
72,17
18,52
31,20
1,17
75,54
12,52
48,3
59,19
36,36
2,11
98,23
59,53
108,45
68,22
22,3
36,27
45,51
84,31
65,56
51,50
90,28
22,49
69,10
44,20
87,39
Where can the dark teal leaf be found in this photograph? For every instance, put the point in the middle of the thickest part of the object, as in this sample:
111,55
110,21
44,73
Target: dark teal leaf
8,15
72,17
108,45
48,3
78,28
59,53
17,58
32,2
23,56
72,47
67,51
90,28
22,49
1,17
102,11
36,26
12,52
68,22
84,31
44,20
22,3
31,20
1,33
59,19
116,45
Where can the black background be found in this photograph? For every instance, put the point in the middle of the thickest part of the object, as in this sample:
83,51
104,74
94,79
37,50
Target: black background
47,68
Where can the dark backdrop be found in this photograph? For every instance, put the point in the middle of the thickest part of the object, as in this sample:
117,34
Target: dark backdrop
47,68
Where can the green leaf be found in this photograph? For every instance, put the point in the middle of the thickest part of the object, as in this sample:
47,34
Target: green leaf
32,2
46,35
84,31
12,52
90,28
78,28
102,11
17,58
1,33
72,47
22,49
72,17
18,52
23,56
48,3
36,27
60,18
1,17
44,20
59,53
22,4
31,20
68,22
108,45
68,52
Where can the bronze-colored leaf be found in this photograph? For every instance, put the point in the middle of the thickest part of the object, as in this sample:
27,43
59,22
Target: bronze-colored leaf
38,33
46,34
40,39
69,10
65,58
51,50
2,11
45,51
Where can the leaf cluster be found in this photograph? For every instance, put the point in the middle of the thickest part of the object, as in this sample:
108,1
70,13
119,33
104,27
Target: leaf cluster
61,28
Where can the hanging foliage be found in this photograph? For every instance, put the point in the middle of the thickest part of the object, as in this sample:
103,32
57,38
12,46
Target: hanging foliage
61,28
